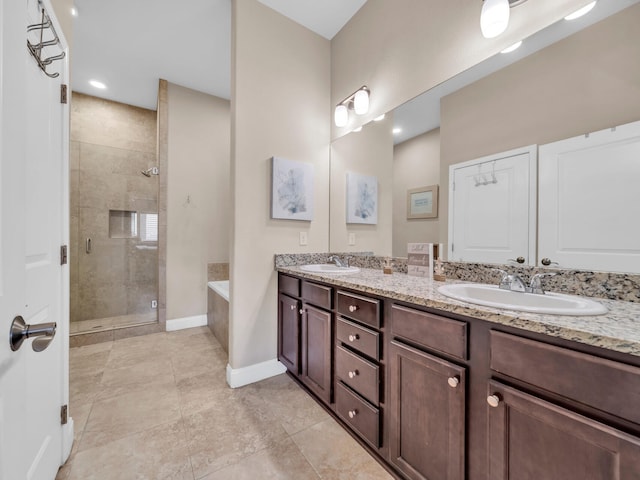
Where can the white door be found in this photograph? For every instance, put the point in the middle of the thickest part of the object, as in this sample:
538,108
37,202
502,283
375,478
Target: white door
590,201
492,208
33,226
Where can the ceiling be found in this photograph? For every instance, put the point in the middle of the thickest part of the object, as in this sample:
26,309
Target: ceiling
128,45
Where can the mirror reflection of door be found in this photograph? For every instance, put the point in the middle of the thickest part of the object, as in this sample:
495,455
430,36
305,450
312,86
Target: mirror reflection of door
493,208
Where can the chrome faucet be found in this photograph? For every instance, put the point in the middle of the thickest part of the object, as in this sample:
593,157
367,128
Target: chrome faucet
514,283
535,284
339,263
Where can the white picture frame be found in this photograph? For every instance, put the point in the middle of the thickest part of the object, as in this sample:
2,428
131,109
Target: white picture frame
291,190
362,198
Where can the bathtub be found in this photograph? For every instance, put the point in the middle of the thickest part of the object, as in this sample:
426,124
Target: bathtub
221,287
218,311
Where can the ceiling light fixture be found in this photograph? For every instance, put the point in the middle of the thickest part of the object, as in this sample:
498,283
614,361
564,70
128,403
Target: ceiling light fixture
356,130
358,101
513,47
580,12
97,84
397,130
494,18
379,119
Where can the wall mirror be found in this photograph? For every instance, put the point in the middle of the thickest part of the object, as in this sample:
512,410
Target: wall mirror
569,79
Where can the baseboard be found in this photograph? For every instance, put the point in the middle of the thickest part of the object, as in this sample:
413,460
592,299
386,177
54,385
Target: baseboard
238,377
186,322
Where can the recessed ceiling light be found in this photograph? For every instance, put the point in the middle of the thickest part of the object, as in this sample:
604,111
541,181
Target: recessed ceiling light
582,11
74,11
97,84
378,119
513,47
397,130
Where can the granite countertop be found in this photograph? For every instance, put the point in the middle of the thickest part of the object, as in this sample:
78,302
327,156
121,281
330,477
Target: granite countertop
617,330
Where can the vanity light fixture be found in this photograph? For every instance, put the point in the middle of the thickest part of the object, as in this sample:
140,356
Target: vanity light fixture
580,12
379,118
97,84
397,130
74,11
513,47
358,129
358,101
494,18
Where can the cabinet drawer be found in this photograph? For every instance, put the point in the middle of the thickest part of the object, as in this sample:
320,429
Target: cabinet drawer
358,338
361,416
602,384
363,309
289,285
359,374
431,331
318,295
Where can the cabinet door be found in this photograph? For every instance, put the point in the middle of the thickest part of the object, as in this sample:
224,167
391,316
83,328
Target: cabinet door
530,439
289,333
316,351
427,404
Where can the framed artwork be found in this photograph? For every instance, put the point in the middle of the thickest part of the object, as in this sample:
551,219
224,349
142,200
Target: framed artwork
362,199
291,190
422,202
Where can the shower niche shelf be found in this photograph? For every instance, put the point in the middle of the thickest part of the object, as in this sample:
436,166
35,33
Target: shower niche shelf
123,224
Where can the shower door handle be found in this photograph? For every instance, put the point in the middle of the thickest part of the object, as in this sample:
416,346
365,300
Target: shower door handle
87,245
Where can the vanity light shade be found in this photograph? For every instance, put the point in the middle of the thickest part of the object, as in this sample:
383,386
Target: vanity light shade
494,18
361,102
341,116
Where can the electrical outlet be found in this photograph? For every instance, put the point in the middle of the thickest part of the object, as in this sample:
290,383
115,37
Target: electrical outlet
352,239
303,238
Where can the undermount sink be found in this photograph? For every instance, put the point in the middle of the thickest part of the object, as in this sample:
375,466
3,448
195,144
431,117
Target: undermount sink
329,268
549,303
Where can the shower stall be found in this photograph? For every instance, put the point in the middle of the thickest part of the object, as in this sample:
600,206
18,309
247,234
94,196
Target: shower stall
114,216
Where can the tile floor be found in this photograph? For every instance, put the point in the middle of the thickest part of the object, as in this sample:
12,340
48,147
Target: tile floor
158,407
103,324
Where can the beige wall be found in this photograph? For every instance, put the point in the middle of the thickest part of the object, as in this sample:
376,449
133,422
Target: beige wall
369,152
402,48
62,9
280,106
587,82
198,196
416,163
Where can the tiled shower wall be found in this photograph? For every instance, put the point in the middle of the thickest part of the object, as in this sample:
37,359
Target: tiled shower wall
111,143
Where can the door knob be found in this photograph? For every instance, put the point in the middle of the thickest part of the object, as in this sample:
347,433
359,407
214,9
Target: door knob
493,400
547,261
453,381
42,333
518,260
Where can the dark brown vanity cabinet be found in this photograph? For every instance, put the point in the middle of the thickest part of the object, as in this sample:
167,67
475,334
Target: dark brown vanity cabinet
357,365
530,437
427,401
305,332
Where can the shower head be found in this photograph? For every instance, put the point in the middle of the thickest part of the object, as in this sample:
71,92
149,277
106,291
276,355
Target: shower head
150,171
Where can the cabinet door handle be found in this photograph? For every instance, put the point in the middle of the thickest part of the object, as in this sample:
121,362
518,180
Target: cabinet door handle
353,337
493,400
453,381
353,413
353,308
353,374
301,311
293,307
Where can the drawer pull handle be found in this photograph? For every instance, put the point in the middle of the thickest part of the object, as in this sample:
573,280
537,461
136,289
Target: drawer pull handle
353,337
353,413
453,382
353,308
301,311
293,307
493,400
353,374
